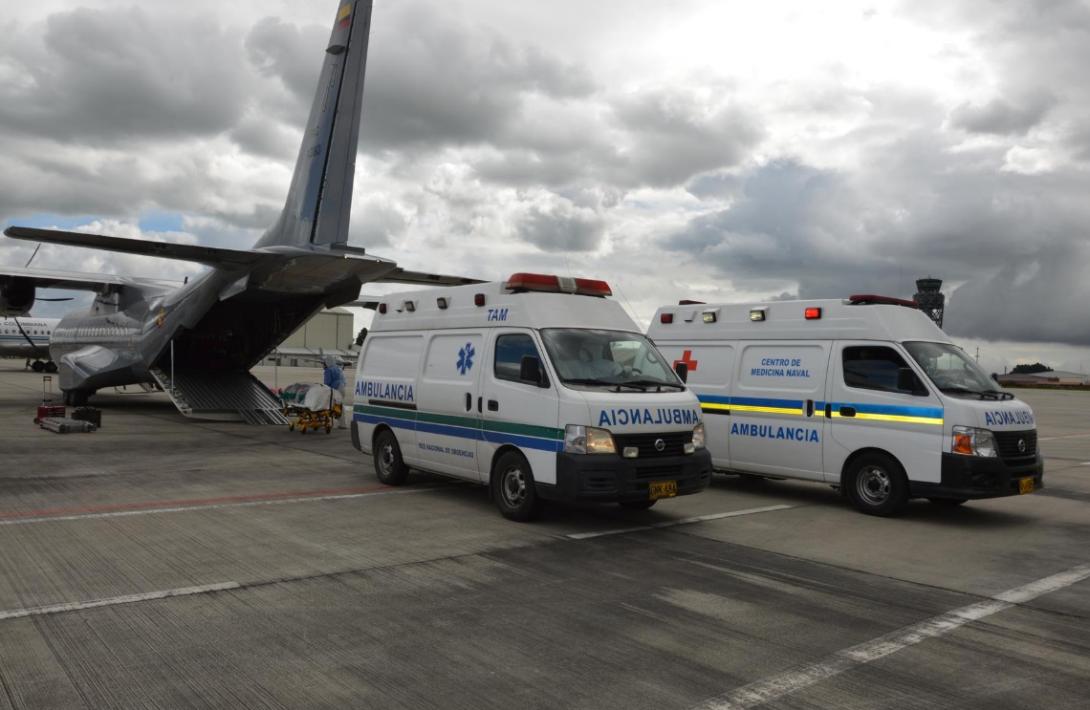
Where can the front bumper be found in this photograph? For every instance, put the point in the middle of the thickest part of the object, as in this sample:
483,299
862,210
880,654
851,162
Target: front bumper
977,477
610,477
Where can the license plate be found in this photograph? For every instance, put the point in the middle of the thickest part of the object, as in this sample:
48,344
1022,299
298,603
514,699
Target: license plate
1025,485
661,489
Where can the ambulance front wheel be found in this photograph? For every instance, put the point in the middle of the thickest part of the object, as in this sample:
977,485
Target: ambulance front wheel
877,485
513,488
389,465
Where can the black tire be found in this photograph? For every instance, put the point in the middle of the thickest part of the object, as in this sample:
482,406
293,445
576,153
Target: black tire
38,366
389,465
513,488
948,502
51,367
636,504
876,484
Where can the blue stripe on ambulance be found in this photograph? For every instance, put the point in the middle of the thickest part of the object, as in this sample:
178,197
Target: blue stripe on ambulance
492,437
715,404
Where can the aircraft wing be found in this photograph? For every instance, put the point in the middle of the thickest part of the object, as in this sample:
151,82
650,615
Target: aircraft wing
211,256
419,278
77,281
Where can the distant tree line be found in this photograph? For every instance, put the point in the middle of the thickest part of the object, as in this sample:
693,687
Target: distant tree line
1030,369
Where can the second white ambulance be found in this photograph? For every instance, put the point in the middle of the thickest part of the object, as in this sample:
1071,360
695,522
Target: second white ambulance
540,387
866,394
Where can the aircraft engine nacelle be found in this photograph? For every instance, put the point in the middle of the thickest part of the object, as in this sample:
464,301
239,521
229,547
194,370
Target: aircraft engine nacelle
16,296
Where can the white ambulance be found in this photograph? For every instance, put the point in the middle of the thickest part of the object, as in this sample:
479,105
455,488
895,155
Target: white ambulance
540,387
866,394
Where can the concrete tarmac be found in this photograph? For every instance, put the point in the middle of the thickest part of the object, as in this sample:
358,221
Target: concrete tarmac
167,563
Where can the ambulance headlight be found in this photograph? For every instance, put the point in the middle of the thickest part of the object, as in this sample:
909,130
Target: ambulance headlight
698,437
579,439
971,441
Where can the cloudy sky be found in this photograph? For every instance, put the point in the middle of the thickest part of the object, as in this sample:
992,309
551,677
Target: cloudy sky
701,149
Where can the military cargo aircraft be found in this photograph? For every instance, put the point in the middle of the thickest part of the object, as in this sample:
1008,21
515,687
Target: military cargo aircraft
198,341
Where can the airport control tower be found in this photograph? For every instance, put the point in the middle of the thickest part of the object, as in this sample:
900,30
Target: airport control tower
929,299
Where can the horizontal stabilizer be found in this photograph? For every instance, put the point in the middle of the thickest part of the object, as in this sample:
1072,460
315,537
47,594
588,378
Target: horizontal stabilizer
419,278
212,256
77,281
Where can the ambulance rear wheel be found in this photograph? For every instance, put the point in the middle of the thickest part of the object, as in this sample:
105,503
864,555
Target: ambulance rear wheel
389,465
513,488
877,485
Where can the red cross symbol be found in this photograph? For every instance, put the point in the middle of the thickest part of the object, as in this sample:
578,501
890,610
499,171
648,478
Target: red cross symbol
687,358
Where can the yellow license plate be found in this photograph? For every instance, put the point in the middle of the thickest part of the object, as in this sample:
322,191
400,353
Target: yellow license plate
1025,485
661,489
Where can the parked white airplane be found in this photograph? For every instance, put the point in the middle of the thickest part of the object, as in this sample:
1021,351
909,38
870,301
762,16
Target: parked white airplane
29,338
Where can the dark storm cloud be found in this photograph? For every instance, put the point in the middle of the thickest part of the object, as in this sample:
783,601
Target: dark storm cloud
376,223
1009,237
1001,116
432,78
649,138
674,135
562,227
1042,298
288,52
112,75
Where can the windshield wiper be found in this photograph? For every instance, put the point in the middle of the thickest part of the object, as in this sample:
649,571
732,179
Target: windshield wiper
590,382
654,383
983,394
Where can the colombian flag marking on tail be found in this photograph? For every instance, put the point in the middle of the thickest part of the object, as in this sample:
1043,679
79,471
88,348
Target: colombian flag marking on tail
344,15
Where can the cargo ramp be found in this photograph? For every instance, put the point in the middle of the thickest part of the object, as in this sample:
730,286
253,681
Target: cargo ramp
221,396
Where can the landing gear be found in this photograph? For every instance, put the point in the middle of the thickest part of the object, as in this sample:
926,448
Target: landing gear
51,367
39,366
77,398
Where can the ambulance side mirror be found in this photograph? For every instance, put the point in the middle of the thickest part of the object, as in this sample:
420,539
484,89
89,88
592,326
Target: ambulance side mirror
682,370
908,382
530,371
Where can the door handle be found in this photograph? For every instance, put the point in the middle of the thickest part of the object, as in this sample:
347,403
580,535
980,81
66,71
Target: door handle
480,404
493,405
847,411
469,402
809,407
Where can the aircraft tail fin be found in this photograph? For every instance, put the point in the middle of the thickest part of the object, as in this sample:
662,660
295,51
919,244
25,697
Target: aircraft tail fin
319,201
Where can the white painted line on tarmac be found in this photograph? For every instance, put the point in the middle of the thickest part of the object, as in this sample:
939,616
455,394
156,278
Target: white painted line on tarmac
214,506
681,521
115,601
777,686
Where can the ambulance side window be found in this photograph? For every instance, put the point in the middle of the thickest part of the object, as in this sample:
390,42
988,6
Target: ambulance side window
873,367
510,349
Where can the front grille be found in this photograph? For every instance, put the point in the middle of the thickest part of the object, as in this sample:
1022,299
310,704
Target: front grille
673,443
656,473
1007,443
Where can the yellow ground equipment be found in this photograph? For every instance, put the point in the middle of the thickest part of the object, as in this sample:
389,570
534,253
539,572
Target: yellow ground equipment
311,407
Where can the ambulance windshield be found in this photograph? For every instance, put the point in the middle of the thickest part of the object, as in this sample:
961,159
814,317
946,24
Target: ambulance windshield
952,370
607,358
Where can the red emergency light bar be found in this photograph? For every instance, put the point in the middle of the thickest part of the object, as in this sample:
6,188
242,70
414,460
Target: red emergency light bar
550,283
870,299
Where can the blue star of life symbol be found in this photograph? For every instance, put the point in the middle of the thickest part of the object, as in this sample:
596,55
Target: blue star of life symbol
465,358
